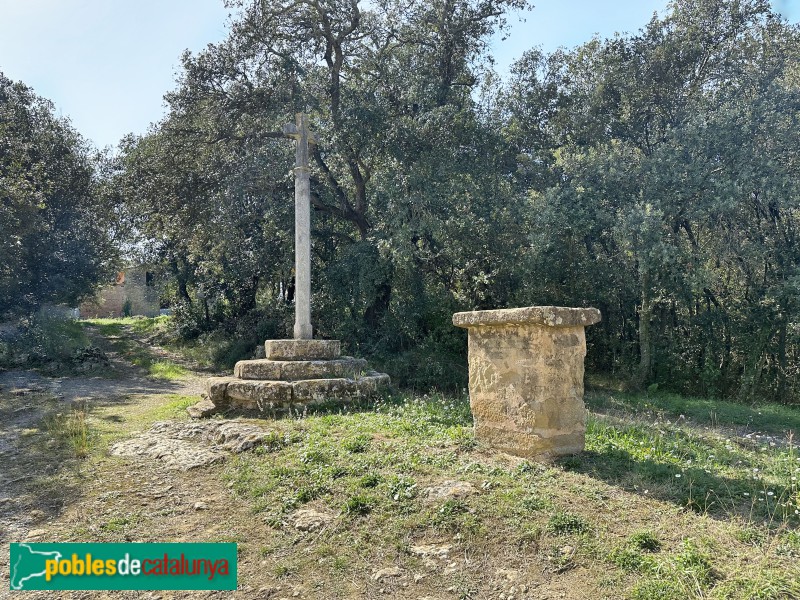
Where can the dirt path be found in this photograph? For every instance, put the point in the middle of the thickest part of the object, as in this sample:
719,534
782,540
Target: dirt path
43,483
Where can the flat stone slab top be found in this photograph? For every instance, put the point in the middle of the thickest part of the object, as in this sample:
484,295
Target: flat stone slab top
302,349
552,316
526,378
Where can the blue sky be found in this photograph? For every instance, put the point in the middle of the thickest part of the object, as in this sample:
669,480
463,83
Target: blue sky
106,64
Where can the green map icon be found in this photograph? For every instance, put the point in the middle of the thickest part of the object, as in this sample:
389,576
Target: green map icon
28,564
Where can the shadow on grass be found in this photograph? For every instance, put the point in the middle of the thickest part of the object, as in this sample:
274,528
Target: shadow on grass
689,476
775,419
436,409
43,442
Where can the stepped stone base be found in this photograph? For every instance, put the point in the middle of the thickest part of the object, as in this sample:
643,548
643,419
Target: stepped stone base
289,370
295,372
302,349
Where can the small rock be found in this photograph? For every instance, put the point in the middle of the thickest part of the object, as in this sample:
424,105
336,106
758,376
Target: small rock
204,408
308,519
35,533
449,489
387,572
200,506
426,550
508,574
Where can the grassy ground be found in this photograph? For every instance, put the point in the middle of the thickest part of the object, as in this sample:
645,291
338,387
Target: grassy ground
653,509
674,498
126,337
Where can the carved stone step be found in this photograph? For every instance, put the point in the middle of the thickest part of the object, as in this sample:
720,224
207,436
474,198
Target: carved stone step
302,349
290,370
266,397
315,391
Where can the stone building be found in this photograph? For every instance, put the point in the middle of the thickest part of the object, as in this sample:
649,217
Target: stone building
133,293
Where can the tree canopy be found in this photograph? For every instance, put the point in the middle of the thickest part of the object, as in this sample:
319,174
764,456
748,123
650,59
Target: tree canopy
55,241
652,175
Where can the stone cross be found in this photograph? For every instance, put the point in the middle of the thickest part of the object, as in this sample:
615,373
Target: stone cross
302,226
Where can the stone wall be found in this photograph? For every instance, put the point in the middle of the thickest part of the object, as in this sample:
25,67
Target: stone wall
131,287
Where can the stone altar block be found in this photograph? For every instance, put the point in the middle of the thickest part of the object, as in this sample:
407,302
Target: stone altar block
526,378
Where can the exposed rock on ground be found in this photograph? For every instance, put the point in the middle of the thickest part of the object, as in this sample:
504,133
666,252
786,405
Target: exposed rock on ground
184,446
309,519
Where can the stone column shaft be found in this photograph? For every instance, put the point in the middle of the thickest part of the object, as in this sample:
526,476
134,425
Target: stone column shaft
302,235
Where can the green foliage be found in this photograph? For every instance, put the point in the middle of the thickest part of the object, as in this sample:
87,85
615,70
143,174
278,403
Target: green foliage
563,522
53,342
654,176
646,541
55,245
630,465
360,504
404,154
666,214
70,429
357,444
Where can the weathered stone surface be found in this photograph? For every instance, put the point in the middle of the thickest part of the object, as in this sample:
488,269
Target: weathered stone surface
294,372
230,435
434,550
310,391
299,369
184,446
215,389
204,408
262,369
308,519
258,395
346,367
174,453
302,349
372,382
387,573
449,490
552,316
526,378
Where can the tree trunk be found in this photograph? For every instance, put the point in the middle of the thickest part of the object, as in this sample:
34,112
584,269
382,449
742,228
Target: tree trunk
379,307
645,369
782,362
180,276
